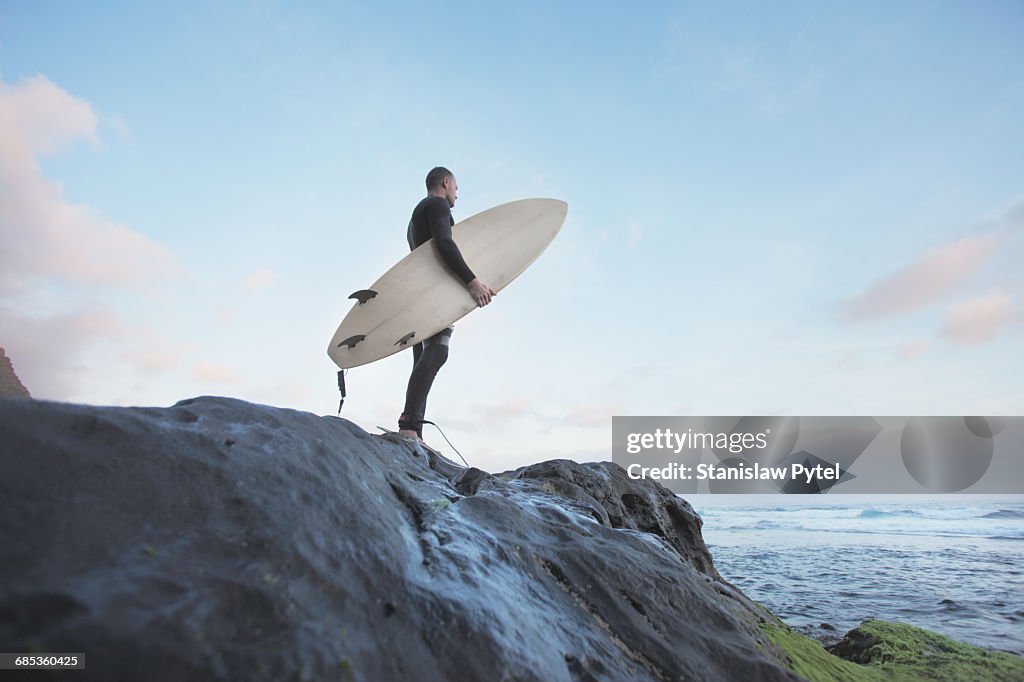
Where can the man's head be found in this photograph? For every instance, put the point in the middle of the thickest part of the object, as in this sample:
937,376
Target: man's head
441,182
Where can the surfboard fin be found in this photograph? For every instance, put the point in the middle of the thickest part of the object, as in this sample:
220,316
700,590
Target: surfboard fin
352,341
405,339
363,295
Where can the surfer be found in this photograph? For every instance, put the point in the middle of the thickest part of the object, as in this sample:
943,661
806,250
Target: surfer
432,219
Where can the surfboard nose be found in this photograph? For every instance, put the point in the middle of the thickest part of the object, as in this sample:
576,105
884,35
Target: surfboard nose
557,206
562,205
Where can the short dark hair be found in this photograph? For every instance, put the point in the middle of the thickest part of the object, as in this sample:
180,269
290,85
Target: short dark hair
436,177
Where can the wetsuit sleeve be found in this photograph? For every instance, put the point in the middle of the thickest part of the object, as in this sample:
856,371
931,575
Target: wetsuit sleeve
441,231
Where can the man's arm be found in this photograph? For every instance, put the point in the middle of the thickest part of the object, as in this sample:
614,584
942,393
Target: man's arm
441,232
440,222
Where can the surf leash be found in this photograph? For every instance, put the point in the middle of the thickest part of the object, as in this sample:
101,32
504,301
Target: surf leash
447,441
341,388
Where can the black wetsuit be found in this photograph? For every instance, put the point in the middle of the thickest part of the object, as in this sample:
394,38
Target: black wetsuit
431,219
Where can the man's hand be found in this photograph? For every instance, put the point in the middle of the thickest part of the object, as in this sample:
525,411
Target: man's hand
480,292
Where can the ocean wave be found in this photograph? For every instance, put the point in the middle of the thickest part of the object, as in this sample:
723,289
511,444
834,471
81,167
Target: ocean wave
768,525
923,532
791,509
881,513
1004,514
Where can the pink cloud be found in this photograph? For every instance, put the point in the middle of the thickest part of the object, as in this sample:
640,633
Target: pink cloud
213,373
909,351
43,236
981,319
53,253
153,353
48,352
40,118
936,273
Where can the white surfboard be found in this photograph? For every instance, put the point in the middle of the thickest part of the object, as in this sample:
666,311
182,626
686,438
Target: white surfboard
419,296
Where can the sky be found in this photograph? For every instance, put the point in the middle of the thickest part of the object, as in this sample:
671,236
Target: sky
800,208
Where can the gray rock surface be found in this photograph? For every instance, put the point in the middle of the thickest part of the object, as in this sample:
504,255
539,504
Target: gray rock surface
221,540
10,384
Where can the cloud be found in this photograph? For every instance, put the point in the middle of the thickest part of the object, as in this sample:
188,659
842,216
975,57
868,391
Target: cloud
43,236
153,353
213,373
119,127
909,351
40,118
54,254
226,314
510,409
492,417
48,351
939,271
592,415
980,320
584,415
260,279
588,455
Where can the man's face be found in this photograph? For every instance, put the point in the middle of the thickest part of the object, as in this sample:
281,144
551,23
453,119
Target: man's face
451,190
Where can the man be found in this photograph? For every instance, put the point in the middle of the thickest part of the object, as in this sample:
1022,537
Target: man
432,219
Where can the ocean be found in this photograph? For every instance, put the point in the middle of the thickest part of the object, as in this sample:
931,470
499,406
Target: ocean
953,564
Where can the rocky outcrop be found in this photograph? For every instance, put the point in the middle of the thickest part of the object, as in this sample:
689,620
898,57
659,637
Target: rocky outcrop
221,540
10,385
880,651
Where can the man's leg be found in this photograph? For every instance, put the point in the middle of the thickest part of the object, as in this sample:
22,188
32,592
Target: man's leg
428,358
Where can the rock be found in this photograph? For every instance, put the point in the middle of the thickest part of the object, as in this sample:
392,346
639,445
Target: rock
10,385
913,651
221,540
615,500
879,650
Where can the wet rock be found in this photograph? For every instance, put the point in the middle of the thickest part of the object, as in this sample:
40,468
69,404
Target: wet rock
222,540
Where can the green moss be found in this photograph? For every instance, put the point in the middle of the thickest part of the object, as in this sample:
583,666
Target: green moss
921,654
809,659
893,652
